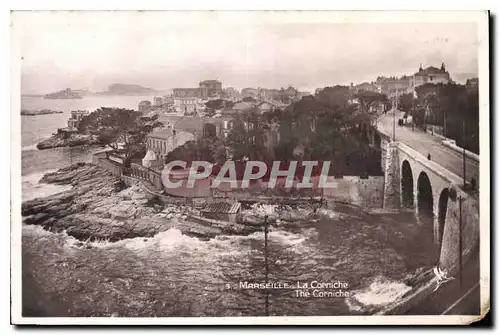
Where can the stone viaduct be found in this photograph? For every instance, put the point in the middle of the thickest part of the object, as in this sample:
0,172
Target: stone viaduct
413,182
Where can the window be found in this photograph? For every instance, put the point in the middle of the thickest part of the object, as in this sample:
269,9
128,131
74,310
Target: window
430,78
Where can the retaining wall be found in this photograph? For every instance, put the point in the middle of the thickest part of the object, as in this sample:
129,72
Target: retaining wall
366,193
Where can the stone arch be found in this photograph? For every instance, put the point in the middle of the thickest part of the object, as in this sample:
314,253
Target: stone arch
407,185
425,199
442,208
425,217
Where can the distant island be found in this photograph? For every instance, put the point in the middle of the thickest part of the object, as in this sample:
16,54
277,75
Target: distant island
39,112
113,90
64,94
128,89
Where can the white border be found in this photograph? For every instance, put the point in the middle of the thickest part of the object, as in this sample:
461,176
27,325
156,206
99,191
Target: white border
363,16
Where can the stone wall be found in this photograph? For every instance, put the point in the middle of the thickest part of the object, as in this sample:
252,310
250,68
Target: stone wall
392,178
145,173
449,257
366,193
130,181
113,167
383,146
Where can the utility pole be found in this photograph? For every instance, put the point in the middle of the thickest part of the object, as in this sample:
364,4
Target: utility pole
413,110
394,118
463,147
266,263
460,240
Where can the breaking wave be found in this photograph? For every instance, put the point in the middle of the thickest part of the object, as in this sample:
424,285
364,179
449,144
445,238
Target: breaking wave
32,188
29,147
380,293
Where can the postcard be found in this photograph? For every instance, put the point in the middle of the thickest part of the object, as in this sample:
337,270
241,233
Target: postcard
250,167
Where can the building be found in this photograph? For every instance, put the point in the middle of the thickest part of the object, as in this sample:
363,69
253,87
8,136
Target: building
241,106
168,100
197,125
303,94
186,93
430,75
370,87
394,86
265,106
223,211
231,94
76,117
250,92
264,94
158,101
472,84
144,106
187,105
160,142
210,89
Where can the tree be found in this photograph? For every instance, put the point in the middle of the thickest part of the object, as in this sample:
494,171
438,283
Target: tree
249,99
367,100
120,128
218,104
336,96
246,138
210,149
406,102
452,105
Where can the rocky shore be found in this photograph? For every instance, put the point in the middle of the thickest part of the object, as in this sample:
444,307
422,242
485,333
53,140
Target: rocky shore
100,207
71,141
39,112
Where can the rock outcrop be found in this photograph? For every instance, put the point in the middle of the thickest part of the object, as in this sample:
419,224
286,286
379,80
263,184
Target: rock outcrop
71,141
39,112
100,207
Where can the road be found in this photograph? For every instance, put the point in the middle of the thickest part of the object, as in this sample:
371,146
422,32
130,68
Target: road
426,143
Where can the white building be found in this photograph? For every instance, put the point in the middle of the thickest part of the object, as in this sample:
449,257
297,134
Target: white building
186,105
76,117
160,142
430,75
158,101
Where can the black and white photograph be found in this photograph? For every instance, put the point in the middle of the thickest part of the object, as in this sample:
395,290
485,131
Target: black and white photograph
267,167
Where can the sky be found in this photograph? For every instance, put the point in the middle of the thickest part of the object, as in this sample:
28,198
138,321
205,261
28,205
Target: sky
165,50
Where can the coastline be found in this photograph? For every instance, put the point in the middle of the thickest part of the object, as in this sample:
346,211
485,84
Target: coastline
98,207
56,141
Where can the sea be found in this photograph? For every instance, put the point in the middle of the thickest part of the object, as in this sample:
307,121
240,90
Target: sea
372,257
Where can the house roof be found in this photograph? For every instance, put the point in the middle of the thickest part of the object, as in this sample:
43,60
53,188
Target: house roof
162,133
166,133
266,102
222,207
429,70
210,81
242,105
